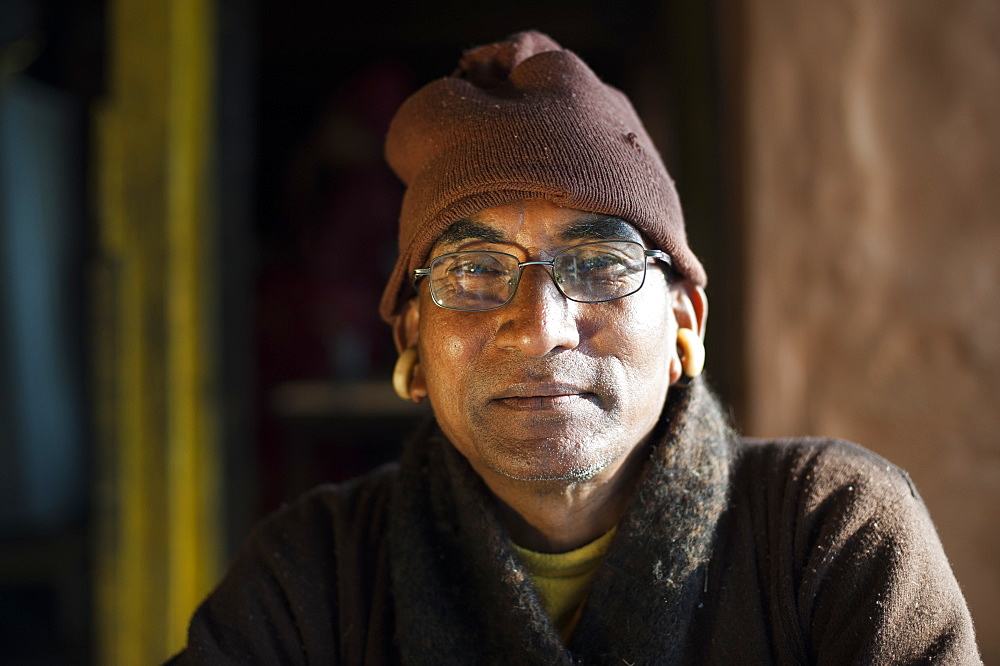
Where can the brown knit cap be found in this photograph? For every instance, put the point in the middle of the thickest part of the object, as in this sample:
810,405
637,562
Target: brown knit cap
525,119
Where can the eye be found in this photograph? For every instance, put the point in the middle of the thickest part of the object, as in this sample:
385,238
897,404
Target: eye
472,269
597,263
472,280
474,266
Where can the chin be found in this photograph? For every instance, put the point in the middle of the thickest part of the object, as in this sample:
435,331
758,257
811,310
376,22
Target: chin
554,467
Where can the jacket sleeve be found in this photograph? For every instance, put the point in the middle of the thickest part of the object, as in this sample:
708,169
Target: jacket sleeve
874,586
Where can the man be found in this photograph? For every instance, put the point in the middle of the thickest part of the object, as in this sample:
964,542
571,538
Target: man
578,496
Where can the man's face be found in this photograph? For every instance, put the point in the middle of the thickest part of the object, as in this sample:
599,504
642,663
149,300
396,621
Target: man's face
544,388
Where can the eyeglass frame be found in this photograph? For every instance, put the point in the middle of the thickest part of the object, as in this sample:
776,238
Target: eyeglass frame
647,254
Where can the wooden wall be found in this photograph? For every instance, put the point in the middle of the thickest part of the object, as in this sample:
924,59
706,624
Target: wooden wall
870,171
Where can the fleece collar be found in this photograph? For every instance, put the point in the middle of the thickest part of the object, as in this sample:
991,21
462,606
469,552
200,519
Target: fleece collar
462,595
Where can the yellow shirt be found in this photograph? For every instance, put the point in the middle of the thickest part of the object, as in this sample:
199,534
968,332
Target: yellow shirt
563,579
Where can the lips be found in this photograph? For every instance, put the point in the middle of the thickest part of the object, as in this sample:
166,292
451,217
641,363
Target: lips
535,396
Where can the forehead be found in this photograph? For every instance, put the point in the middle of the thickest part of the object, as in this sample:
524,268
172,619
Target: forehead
536,223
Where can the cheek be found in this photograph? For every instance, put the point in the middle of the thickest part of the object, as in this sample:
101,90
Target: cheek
641,339
442,350
448,345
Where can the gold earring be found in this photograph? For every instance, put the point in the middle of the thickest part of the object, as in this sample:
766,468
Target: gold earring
402,374
692,352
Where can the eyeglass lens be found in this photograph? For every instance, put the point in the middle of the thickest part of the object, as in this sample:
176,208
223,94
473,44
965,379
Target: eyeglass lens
589,273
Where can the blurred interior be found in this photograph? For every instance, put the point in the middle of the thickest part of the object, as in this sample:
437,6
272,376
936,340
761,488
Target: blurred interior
196,222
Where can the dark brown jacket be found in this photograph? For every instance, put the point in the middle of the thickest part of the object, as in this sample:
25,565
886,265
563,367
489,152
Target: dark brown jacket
734,552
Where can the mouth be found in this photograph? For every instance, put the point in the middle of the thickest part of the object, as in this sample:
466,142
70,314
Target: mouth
534,397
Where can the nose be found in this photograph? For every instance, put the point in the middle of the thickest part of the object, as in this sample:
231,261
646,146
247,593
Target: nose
539,319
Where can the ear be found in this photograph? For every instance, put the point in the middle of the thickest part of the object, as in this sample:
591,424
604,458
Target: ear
690,306
406,334
405,327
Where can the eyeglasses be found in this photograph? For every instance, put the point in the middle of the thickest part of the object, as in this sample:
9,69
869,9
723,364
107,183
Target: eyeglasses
589,273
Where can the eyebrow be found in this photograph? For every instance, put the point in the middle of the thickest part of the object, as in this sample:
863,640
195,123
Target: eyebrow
597,228
466,230
600,228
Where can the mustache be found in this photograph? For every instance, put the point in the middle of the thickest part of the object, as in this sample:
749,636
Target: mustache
545,376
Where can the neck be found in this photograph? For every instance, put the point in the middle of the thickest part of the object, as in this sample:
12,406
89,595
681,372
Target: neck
559,516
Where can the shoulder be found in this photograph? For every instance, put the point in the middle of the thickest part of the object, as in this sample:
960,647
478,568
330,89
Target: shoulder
331,530
828,493
308,567
825,494
800,453
329,511
815,469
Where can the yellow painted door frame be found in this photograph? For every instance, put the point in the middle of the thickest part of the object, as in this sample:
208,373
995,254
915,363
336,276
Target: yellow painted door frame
158,531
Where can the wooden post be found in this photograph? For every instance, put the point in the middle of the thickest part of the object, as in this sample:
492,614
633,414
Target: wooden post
158,532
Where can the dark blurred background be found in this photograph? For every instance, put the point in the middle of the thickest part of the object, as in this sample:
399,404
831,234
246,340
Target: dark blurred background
196,222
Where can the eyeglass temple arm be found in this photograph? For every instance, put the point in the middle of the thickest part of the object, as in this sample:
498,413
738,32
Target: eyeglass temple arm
661,255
